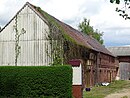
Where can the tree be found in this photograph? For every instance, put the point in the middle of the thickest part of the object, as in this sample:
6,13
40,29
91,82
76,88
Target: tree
124,11
85,27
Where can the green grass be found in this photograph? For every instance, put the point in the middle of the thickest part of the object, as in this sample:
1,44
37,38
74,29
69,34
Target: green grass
102,91
124,97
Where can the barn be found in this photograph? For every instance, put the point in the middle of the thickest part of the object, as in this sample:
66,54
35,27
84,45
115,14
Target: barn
123,55
35,38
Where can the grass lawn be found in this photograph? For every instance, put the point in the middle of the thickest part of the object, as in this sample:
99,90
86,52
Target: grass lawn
102,91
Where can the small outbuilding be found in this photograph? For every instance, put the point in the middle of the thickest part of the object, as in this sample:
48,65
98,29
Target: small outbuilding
123,55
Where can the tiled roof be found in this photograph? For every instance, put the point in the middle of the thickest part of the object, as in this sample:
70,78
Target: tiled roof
79,37
120,51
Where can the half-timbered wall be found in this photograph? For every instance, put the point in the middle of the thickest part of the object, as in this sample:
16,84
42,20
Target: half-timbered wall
32,43
107,68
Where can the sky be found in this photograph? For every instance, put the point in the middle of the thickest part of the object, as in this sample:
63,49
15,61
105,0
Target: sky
102,15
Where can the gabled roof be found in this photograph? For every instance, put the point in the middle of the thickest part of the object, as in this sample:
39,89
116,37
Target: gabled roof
120,50
73,34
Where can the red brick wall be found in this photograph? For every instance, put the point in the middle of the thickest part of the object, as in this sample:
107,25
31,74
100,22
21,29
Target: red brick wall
77,91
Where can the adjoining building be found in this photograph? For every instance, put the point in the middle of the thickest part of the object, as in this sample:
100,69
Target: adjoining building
123,55
35,38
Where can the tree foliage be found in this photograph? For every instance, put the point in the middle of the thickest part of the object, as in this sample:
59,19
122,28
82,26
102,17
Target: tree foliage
124,11
85,27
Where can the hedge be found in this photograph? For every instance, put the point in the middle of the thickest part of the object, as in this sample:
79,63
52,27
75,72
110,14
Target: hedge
36,82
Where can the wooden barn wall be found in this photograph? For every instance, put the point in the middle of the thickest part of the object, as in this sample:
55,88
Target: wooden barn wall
107,69
32,43
99,68
124,71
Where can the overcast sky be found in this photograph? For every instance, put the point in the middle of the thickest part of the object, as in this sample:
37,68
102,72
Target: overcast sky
101,13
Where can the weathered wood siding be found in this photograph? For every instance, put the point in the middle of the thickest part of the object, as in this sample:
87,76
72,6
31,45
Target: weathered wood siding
124,70
32,43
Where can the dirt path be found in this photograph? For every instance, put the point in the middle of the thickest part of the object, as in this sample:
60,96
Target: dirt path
125,93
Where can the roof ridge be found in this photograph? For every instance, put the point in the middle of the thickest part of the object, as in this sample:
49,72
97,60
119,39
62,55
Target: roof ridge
27,2
124,46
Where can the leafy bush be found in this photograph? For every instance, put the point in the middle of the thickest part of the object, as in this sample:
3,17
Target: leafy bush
35,82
